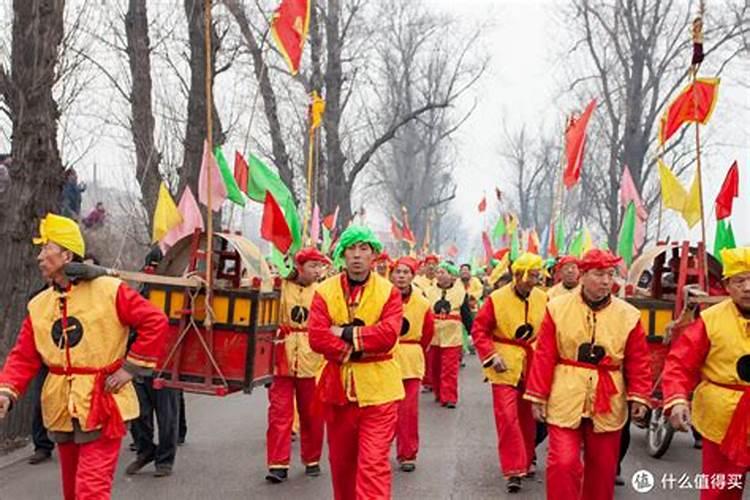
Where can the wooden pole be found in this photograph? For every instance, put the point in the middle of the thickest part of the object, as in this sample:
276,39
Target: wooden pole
209,140
557,203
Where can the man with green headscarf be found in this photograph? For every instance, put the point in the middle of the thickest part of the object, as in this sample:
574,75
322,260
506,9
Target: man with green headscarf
355,322
450,304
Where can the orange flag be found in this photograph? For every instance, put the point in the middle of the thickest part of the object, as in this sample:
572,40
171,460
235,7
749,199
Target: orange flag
575,140
694,104
289,28
482,205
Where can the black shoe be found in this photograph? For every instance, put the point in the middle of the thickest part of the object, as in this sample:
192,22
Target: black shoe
698,444
133,447
426,389
180,441
312,470
276,475
619,481
163,471
138,464
40,456
408,466
513,485
450,406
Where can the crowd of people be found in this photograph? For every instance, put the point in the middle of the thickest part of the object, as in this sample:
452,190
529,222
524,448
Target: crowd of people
360,336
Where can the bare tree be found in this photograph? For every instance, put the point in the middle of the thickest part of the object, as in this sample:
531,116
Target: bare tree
36,169
196,127
142,121
634,58
415,168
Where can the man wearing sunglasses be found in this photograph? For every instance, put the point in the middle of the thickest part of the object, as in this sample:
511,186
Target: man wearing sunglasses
503,332
591,359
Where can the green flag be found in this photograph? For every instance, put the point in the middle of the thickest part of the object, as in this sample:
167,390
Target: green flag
625,242
724,238
576,246
262,179
499,230
326,246
515,246
560,235
233,190
277,259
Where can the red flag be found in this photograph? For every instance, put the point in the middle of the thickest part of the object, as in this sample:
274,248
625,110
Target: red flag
289,28
241,171
329,221
273,226
694,104
730,189
396,231
482,205
408,234
575,140
552,245
532,245
487,245
452,251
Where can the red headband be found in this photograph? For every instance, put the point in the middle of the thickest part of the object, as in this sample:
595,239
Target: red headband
383,257
310,254
567,259
409,262
430,259
598,259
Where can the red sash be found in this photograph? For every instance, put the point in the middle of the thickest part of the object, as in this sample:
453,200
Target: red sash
735,443
104,410
605,387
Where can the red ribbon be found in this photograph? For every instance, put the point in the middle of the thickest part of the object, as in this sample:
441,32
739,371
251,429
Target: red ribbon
605,387
104,411
735,443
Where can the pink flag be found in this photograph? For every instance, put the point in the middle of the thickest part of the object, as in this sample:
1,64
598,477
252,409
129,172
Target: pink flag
218,188
191,220
628,193
315,225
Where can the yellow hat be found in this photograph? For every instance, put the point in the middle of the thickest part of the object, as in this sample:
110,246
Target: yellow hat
527,262
499,270
62,231
736,261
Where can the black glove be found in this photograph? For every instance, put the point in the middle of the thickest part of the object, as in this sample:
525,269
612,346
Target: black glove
78,271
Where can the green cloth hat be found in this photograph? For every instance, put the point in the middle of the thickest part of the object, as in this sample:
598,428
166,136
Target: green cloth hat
351,236
449,268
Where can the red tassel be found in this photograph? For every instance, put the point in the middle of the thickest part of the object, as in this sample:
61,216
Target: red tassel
104,410
605,388
735,443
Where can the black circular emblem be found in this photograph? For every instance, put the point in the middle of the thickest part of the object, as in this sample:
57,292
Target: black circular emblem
405,327
300,314
524,331
442,306
75,332
743,368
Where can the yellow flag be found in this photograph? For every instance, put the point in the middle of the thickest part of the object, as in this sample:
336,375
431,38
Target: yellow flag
675,197
166,215
588,243
317,109
672,193
692,210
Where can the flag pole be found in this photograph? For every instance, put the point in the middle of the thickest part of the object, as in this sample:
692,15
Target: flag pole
557,203
698,171
310,159
209,140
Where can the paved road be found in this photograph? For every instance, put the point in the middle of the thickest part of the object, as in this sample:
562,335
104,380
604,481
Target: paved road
224,458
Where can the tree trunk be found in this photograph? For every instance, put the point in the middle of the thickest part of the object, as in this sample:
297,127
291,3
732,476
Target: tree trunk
197,130
147,157
36,169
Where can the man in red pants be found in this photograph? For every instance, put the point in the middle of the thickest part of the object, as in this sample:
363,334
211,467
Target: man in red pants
452,309
79,330
355,320
423,282
294,373
503,333
591,358
417,330
714,350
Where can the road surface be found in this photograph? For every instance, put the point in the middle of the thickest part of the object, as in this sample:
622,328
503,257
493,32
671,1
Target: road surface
224,458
